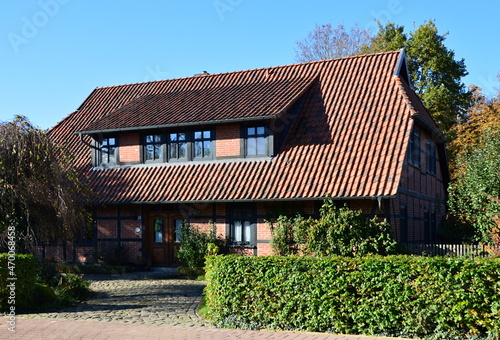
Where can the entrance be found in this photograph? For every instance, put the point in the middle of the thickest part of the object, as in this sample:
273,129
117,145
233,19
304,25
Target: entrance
162,238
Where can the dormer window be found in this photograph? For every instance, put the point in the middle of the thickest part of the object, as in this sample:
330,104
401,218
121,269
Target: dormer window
153,148
107,151
177,146
202,144
256,142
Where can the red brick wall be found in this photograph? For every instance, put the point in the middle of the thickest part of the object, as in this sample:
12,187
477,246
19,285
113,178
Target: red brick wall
419,190
128,228
132,251
228,140
107,229
129,147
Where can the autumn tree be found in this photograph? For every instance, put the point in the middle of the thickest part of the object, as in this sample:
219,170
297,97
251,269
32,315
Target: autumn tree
40,194
325,42
435,74
474,194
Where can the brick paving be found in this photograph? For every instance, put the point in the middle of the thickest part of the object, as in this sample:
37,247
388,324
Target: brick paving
131,308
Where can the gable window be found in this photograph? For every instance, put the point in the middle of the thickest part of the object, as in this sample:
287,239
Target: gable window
177,146
202,144
431,157
107,151
256,143
153,148
414,149
242,231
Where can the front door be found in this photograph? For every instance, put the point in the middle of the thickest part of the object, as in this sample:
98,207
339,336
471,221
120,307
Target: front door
162,232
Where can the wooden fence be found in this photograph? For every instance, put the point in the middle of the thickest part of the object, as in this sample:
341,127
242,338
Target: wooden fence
457,250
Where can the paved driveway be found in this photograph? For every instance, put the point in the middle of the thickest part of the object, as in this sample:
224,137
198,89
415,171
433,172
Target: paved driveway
126,308
171,302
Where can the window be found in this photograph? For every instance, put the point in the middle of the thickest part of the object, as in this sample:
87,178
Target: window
431,157
256,143
243,225
202,144
178,230
414,149
177,146
158,230
108,151
153,148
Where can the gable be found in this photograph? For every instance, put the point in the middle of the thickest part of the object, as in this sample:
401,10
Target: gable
344,123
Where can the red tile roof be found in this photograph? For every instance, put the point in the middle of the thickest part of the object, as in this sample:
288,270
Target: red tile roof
348,139
265,99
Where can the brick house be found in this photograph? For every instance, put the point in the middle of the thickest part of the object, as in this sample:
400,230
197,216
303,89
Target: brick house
240,148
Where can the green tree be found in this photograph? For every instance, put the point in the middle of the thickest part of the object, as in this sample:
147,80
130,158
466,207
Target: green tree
41,195
435,74
474,194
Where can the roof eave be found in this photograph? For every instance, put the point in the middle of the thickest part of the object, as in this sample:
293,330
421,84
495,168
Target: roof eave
255,200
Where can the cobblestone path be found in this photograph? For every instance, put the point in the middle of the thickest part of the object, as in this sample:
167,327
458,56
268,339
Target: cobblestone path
172,302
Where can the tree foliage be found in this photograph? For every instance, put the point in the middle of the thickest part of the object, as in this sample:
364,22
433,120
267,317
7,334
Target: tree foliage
434,72
338,231
474,194
41,196
197,244
325,42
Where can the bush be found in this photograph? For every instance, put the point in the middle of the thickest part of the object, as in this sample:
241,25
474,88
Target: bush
23,270
72,288
431,298
339,231
196,245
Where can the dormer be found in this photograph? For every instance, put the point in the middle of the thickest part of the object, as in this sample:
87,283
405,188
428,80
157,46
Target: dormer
234,122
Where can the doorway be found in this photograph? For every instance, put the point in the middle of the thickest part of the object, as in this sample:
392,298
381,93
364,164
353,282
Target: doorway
162,238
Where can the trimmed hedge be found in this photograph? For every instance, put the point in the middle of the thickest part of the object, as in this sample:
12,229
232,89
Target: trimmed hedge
433,298
24,271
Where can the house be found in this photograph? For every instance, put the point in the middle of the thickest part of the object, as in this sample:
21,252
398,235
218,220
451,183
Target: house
239,148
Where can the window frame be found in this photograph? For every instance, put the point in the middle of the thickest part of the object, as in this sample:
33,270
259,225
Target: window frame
203,140
414,149
431,157
100,154
145,145
256,136
169,144
247,222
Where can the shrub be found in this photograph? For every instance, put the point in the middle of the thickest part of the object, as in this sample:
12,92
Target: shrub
23,270
283,239
338,231
72,288
431,298
196,245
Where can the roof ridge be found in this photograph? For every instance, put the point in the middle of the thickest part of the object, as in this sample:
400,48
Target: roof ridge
251,70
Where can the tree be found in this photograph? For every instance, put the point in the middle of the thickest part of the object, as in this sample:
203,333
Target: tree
474,194
324,42
434,72
41,196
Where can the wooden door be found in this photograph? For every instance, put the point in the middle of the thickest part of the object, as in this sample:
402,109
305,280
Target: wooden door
162,234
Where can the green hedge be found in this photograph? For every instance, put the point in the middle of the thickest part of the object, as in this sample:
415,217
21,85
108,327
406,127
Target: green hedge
24,272
433,298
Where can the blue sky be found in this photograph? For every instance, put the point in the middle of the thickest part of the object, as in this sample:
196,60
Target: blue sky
55,52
